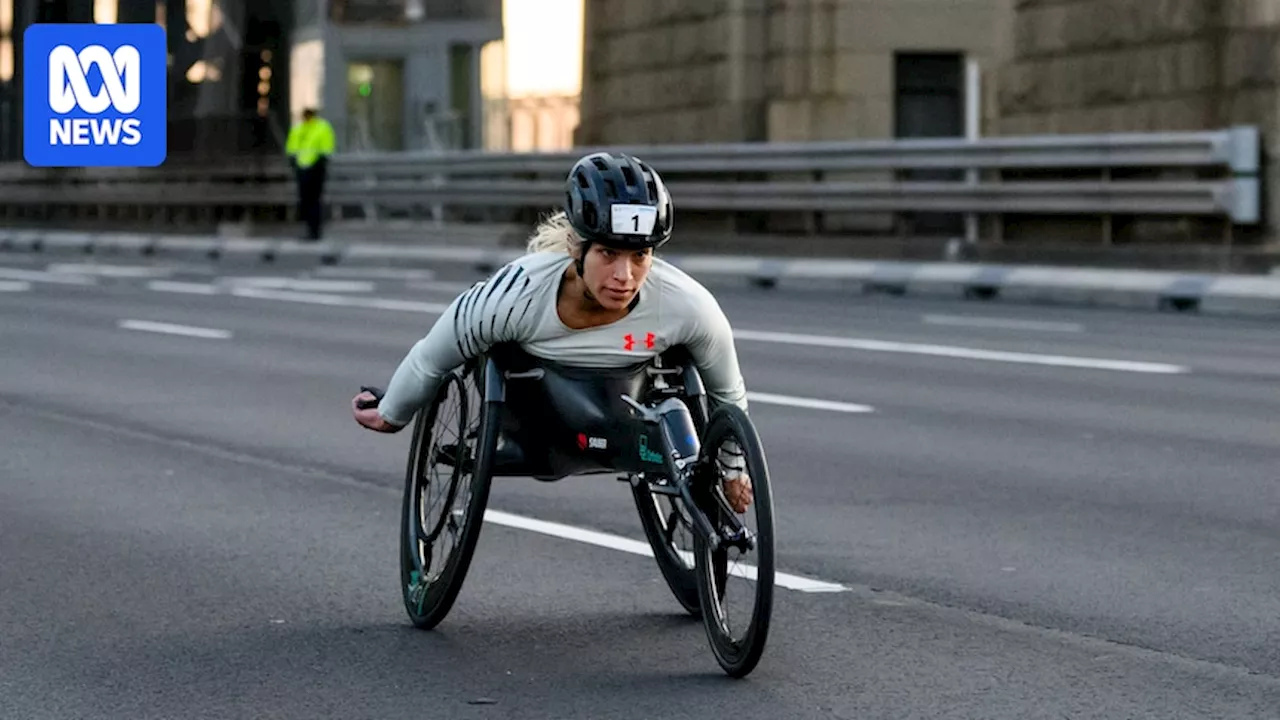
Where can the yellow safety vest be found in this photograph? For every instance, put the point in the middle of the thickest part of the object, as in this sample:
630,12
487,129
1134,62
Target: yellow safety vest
309,140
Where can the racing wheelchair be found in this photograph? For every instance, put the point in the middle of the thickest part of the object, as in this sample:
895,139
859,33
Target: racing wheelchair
509,414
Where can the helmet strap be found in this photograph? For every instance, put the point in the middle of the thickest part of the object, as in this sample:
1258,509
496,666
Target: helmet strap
581,260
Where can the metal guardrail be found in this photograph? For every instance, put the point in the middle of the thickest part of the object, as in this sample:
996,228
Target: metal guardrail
1170,178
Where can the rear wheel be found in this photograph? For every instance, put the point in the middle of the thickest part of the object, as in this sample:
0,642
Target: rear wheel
445,495
735,581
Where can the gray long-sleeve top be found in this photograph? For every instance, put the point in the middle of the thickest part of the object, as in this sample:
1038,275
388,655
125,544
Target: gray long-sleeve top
518,304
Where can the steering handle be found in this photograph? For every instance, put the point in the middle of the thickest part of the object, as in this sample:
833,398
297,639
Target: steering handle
377,397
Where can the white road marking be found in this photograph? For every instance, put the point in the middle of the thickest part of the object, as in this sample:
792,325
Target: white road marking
182,287
1003,323
375,273
170,329
637,547
300,285
961,352
14,286
39,276
440,285
339,300
749,335
119,271
811,403
300,297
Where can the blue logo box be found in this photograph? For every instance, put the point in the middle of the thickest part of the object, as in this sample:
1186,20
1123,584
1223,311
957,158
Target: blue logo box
95,95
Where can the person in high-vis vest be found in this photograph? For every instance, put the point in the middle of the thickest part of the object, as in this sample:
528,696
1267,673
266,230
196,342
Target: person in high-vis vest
309,146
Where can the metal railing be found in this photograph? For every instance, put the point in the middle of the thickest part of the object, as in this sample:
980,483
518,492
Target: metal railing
1211,174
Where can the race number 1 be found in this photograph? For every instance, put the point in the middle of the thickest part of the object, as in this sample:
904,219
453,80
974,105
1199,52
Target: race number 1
634,219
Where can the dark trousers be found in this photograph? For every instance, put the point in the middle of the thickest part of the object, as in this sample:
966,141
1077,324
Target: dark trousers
310,194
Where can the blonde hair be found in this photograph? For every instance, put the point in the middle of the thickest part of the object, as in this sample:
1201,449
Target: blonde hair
555,233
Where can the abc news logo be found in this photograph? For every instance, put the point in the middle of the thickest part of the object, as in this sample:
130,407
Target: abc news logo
97,95
69,91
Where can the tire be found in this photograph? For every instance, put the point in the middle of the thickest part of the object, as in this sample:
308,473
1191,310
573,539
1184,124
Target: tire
737,656
477,430
656,511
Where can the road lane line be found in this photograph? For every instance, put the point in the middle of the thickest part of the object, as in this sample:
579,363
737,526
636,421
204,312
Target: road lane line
40,276
106,270
14,286
1003,323
637,547
340,300
182,287
299,285
170,329
810,403
962,353
762,336
375,273
440,285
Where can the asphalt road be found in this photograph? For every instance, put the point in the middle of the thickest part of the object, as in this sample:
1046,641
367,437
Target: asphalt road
1034,513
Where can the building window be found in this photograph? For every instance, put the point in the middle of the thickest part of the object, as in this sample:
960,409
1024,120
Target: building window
929,103
463,65
6,41
105,12
375,106
928,95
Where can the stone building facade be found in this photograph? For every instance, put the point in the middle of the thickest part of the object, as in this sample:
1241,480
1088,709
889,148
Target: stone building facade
1081,66
672,71
1140,65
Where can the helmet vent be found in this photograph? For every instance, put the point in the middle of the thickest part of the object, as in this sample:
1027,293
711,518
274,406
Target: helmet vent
611,189
629,174
582,180
589,214
653,190
600,164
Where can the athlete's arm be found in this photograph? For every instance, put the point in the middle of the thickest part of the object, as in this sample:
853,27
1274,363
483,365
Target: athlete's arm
710,341
488,313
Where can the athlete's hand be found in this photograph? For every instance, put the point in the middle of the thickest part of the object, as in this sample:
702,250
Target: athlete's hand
734,478
737,490
369,416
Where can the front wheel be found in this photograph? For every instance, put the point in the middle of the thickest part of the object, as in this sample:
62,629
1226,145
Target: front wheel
735,581
445,495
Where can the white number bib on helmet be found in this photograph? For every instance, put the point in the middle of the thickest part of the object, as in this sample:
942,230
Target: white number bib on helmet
634,219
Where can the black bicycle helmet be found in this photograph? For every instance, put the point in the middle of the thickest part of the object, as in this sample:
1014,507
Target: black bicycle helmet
618,201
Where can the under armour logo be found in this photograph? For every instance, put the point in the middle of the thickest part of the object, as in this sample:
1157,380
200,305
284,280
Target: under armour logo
630,341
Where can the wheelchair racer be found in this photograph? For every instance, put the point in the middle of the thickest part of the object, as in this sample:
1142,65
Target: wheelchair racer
590,292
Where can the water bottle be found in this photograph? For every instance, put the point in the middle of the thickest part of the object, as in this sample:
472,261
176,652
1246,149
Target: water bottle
676,421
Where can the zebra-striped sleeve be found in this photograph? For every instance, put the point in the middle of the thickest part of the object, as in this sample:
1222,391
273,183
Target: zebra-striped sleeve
488,313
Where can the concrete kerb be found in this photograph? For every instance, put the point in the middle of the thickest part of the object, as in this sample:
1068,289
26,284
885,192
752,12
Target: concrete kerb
1233,294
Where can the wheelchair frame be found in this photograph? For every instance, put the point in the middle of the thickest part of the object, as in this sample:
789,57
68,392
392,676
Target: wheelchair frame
680,477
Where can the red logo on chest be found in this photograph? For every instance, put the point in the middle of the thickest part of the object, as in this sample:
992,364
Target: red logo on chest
629,341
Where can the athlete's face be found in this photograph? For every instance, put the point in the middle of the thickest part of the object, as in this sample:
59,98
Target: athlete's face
613,277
